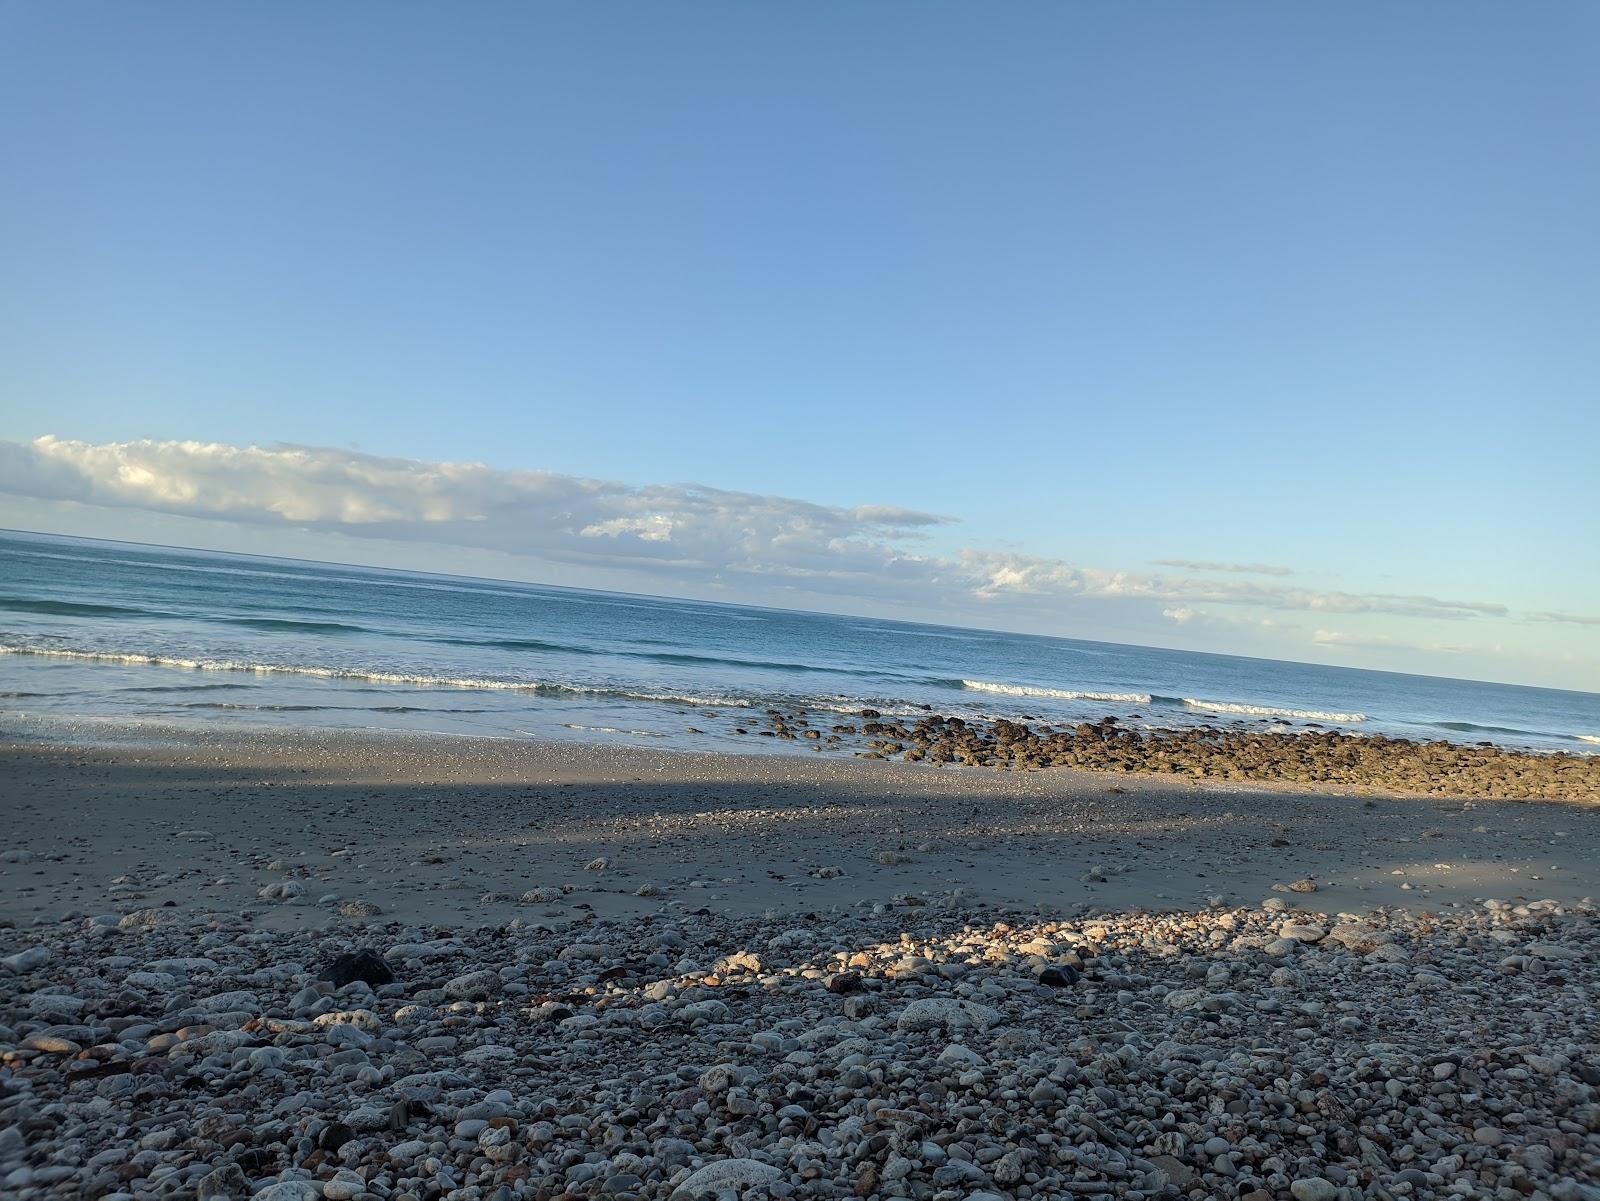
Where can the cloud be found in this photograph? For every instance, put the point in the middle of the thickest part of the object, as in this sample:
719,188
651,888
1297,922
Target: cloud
1577,619
1231,568
894,517
1000,573
1337,638
664,531
561,517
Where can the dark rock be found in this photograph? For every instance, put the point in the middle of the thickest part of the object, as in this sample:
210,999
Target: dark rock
334,1135
844,982
254,1161
364,965
1058,976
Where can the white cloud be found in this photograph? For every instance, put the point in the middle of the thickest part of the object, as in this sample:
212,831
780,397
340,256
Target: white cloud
998,573
1230,568
1384,642
669,533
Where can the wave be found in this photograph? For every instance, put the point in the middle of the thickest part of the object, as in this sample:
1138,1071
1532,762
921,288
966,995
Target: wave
685,659
1269,711
671,658
518,644
51,608
260,708
1060,694
306,627
55,608
531,687
1466,727
180,687
420,709
615,730
324,708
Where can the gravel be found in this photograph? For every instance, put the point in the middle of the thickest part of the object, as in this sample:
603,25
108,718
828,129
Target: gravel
878,1051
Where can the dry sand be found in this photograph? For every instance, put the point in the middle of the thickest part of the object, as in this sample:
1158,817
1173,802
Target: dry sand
456,831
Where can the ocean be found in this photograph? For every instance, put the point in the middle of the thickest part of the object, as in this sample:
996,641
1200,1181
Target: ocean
102,635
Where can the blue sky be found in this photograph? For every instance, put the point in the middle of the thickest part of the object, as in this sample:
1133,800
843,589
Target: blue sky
1310,287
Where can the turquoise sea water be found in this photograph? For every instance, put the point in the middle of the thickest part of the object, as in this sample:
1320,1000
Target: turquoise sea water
100,630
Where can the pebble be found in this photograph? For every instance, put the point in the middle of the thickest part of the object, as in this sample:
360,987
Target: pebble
884,1050
1313,1188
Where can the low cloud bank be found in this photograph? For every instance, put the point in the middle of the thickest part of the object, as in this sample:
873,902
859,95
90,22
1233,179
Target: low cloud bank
667,531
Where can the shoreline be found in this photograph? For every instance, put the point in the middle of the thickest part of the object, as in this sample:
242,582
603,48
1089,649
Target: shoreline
1319,759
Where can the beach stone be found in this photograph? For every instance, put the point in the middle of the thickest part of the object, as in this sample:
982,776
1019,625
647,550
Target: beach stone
589,952
364,965
24,962
344,1186
1313,1188
474,986
289,1190
933,1013
856,1007
726,1174
704,1011
957,1055
1302,932
227,1182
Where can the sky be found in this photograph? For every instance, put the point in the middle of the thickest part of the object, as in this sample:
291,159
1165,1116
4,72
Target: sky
1246,327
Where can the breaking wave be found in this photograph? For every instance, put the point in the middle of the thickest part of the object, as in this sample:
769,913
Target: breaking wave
1059,694
1146,698
615,730
532,687
1269,711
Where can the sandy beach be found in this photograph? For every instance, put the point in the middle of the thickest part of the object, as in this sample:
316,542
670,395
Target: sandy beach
459,830
312,965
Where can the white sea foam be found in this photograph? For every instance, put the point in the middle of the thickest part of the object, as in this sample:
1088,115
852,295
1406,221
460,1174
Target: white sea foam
362,675
1269,711
1589,738
1060,694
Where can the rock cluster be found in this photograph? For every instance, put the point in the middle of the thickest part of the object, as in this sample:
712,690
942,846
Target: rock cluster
1308,756
927,1052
